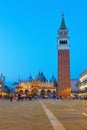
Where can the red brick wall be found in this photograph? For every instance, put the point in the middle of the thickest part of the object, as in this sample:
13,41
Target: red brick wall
64,88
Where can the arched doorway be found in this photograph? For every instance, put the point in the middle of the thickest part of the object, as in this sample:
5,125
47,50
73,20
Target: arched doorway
26,91
34,92
49,93
42,93
21,92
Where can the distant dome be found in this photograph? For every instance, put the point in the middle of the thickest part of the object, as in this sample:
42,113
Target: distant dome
30,78
53,80
40,77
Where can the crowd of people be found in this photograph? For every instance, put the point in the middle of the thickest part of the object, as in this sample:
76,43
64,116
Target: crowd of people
21,97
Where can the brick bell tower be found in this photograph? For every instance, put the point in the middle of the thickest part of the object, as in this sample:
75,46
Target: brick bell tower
64,86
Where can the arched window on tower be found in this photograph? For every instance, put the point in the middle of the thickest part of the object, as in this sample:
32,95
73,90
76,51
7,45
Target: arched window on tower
66,41
62,42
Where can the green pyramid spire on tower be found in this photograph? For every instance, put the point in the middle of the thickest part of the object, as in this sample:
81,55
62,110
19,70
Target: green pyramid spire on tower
63,25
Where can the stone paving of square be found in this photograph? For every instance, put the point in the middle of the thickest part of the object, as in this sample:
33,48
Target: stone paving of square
26,115
30,115
69,113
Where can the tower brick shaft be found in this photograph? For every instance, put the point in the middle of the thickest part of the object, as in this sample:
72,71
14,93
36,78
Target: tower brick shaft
64,87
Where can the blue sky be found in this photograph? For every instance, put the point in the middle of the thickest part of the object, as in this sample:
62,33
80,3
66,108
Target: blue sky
28,37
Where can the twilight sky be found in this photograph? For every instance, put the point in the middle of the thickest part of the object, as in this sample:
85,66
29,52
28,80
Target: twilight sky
28,37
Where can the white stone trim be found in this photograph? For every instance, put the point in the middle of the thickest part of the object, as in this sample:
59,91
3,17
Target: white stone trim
63,38
57,125
63,47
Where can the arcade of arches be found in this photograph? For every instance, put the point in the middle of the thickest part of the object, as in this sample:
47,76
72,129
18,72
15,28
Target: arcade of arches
36,88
